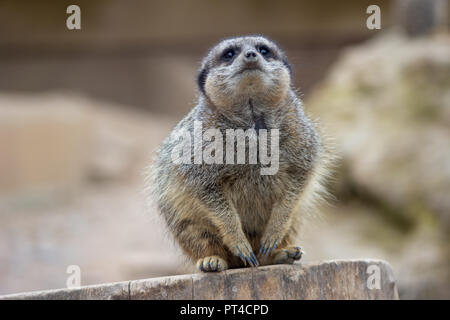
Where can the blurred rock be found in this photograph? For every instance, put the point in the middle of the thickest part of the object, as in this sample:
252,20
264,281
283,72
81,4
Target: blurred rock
418,17
387,103
123,141
57,142
45,142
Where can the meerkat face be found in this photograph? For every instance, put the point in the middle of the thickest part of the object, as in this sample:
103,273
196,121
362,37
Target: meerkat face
243,68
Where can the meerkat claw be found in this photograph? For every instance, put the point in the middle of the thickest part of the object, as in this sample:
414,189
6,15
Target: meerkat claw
266,249
273,247
249,258
254,259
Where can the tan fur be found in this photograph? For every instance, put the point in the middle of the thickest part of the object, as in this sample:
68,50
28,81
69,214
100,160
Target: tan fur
222,215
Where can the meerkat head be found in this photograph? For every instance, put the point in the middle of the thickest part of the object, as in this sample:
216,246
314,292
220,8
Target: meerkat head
242,68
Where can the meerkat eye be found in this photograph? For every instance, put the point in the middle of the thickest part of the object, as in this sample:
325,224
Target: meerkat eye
228,54
264,50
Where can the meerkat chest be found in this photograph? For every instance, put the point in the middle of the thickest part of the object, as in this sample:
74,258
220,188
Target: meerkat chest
248,187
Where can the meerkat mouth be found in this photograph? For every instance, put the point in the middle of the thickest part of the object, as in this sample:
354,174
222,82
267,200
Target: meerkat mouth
249,68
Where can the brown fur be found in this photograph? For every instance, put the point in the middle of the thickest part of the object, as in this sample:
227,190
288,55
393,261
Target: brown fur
219,214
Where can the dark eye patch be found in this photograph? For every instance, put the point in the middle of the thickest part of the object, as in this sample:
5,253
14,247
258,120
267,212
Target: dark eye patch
265,51
229,54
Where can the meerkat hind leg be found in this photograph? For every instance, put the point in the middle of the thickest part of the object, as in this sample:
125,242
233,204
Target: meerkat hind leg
211,264
286,255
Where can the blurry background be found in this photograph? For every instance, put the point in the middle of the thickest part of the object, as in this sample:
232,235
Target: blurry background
81,111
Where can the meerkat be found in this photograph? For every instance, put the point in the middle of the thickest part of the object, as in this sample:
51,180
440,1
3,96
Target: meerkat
230,215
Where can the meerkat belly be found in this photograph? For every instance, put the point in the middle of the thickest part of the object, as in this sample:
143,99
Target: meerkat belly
253,200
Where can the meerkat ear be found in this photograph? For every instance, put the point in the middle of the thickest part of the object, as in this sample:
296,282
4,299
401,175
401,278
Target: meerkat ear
201,79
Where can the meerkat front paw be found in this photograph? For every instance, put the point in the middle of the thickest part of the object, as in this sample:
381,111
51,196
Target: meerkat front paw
287,255
212,264
244,251
268,244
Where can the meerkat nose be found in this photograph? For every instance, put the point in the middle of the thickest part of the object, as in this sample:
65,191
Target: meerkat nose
250,56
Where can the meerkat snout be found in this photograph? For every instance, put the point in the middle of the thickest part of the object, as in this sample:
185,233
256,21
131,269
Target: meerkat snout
250,56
